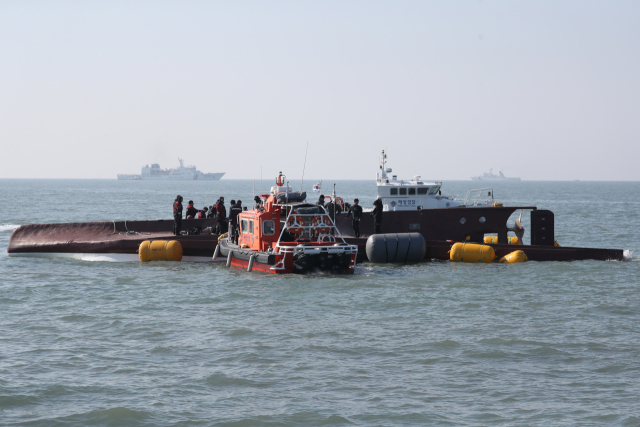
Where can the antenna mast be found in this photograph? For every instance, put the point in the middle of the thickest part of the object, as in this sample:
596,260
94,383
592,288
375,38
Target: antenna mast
304,166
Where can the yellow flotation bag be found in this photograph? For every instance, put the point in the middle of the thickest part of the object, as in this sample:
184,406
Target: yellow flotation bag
471,252
515,256
160,250
494,239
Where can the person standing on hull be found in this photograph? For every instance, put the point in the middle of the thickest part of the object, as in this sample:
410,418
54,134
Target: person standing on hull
377,215
356,210
211,213
191,210
177,215
321,200
234,210
221,217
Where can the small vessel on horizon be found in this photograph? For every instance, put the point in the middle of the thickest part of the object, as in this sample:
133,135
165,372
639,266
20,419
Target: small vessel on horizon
490,176
180,173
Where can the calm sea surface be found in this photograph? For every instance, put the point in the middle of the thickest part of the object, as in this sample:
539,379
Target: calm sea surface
181,344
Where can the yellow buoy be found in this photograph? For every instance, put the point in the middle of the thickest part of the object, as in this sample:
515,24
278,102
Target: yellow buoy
160,250
494,239
513,257
497,204
471,252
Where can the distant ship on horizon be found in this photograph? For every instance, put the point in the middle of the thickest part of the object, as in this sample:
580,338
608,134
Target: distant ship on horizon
490,176
180,173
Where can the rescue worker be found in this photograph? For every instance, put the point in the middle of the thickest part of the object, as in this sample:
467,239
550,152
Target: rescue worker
203,213
221,217
356,210
191,210
234,210
377,214
331,210
321,200
177,215
211,213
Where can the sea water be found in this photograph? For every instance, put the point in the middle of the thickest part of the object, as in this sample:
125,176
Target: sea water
184,344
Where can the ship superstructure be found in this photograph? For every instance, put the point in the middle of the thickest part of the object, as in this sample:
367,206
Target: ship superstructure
180,173
490,176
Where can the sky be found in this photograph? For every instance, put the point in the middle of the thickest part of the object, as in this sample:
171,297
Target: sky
543,90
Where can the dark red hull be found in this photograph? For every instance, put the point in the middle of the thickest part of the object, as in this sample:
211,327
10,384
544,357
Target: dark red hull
98,237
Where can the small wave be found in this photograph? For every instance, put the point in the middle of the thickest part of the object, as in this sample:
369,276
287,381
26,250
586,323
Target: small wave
111,416
8,227
222,380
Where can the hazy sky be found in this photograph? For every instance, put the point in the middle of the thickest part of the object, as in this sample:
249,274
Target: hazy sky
542,89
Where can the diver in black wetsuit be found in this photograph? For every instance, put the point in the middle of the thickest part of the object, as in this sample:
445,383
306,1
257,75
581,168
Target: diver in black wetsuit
177,215
321,200
356,210
377,215
234,210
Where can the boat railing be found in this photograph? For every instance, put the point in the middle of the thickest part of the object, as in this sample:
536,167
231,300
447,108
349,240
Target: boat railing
319,226
479,197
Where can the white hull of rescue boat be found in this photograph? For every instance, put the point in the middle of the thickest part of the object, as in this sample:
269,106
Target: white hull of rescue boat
105,257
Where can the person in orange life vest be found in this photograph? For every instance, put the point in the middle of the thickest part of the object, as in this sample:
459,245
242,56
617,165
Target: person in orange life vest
177,215
203,213
191,210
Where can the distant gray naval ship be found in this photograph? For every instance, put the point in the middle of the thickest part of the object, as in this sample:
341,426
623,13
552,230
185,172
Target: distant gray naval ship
490,176
181,173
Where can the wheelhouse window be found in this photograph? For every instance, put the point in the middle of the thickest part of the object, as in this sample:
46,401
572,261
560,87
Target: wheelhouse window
268,227
412,191
423,191
434,190
250,226
394,191
403,191
244,226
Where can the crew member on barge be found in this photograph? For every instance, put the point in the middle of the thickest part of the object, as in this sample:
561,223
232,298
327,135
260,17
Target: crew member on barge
377,214
191,210
177,215
356,210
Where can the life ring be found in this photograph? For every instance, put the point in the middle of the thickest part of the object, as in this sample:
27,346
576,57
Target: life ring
321,224
294,220
340,202
295,224
295,229
320,229
321,220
